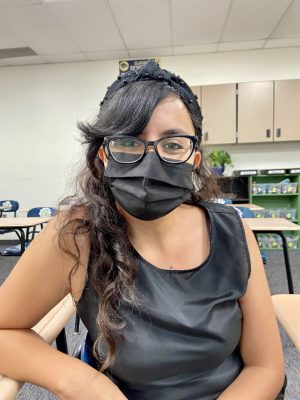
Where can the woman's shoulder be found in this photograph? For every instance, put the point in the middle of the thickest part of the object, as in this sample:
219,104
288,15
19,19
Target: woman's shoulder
217,207
73,215
69,230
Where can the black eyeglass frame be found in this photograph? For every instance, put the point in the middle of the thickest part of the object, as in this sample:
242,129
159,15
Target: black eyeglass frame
154,143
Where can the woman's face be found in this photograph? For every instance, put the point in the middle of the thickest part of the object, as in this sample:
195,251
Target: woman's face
170,115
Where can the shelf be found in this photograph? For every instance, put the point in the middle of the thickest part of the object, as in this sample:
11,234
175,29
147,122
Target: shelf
240,200
276,200
291,220
277,248
270,175
275,195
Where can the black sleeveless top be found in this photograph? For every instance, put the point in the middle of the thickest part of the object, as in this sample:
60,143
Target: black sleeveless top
182,342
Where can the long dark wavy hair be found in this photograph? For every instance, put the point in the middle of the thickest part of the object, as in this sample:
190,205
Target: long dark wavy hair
111,266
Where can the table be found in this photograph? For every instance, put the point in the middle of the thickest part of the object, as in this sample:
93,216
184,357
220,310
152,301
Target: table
248,205
278,226
19,224
51,327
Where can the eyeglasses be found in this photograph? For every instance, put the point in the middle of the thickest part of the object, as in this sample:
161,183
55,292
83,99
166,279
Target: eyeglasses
173,149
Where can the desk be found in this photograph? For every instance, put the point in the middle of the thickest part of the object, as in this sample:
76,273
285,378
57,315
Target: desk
19,224
278,226
247,205
287,312
49,328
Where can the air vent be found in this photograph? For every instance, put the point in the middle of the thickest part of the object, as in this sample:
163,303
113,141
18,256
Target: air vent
17,52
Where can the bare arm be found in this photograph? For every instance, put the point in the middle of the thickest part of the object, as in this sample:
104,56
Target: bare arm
263,374
36,284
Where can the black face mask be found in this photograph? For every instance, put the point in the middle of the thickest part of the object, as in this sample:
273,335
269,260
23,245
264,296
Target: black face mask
151,188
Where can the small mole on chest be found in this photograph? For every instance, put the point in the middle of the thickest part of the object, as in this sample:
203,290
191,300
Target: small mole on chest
171,267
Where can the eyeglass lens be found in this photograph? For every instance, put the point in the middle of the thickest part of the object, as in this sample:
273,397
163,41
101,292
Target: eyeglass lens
173,149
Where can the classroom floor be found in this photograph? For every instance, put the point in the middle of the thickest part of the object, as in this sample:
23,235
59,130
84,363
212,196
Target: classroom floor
277,281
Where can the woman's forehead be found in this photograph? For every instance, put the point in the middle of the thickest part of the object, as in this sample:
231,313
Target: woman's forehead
170,114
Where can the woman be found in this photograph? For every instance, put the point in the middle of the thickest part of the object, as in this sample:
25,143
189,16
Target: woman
170,285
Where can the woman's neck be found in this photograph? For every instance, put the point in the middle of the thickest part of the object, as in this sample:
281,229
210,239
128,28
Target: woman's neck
159,230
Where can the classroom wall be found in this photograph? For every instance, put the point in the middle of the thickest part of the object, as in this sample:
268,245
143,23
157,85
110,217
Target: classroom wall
40,104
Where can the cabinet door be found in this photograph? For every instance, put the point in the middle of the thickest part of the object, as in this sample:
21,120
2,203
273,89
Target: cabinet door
286,114
219,113
255,112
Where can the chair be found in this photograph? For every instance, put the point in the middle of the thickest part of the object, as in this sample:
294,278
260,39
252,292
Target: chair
50,327
84,351
38,212
287,308
223,201
30,233
8,206
245,212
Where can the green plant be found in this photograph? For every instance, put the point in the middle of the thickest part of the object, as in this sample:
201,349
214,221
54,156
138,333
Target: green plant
219,158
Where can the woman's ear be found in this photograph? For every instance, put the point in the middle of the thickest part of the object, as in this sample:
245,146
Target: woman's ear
102,156
197,159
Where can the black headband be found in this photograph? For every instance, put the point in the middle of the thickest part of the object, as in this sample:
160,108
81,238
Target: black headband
152,71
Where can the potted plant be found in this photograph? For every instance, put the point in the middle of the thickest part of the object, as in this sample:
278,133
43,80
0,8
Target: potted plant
219,159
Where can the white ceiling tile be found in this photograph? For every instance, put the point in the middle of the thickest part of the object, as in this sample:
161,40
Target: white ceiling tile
198,21
9,40
154,52
25,60
107,55
143,23
289,26
57,58
196,49
37,26
244,45
13,3
288,42
254,19
90,24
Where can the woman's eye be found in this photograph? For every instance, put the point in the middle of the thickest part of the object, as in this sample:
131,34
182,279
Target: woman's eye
128,143
172,146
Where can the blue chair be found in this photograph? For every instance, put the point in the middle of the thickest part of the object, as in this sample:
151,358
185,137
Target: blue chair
247,213
8,206
42,212
38,212
223,201
84,351
30,233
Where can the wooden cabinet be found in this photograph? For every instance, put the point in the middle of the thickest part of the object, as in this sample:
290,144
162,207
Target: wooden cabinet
286,110
219,113
258,112
218,106
255,112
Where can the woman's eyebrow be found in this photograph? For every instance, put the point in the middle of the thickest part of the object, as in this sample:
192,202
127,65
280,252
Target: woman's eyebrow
174,132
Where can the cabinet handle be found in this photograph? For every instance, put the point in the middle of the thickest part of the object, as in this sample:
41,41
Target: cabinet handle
278,132
268,133
205,135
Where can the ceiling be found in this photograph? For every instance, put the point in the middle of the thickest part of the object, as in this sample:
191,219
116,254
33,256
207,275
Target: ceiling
79,30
